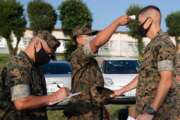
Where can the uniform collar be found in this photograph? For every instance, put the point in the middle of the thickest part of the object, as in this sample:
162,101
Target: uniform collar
159,34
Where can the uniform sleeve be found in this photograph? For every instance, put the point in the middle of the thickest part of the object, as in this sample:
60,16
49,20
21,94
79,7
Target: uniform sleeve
18,79
165,58
87,49
177,64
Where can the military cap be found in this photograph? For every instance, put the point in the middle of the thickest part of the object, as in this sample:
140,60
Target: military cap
52,42
83,30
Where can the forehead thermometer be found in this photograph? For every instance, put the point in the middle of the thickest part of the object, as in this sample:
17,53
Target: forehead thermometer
132,17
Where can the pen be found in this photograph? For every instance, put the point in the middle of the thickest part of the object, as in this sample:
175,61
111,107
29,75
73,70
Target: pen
58,86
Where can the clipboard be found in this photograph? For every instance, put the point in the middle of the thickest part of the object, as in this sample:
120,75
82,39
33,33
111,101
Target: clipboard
59,102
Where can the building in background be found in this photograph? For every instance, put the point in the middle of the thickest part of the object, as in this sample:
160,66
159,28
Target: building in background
57,33
120,44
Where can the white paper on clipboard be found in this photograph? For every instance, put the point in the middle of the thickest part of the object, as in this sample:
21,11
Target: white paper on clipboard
65,99
73,94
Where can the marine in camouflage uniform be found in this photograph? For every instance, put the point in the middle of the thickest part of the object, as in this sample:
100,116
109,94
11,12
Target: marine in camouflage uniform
177,62
21,73
23,93
86,76
159,56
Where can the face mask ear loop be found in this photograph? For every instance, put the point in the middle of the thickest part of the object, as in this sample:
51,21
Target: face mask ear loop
145,22
150,25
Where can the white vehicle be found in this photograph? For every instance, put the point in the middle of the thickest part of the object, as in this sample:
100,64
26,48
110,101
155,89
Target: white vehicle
57,73
118,72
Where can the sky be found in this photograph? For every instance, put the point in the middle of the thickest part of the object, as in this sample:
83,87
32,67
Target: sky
105,11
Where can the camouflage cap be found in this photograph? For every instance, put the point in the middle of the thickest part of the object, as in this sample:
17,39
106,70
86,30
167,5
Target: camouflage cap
52,42
83,30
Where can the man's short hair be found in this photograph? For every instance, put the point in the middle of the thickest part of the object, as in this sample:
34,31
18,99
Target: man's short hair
52,42
145,9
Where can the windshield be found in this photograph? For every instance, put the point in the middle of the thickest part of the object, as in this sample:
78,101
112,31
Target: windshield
56,68
120,66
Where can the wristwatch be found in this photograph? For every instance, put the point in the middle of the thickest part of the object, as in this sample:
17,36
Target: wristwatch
148,109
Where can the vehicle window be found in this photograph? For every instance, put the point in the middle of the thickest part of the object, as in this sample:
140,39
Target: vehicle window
56,68
120,67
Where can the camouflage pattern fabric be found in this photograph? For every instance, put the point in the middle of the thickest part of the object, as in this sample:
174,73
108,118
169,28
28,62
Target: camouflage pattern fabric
4,105
159,56
85,78
21,72
177,68
177,64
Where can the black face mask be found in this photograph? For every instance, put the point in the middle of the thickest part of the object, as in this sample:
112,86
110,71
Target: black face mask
142,32
41,57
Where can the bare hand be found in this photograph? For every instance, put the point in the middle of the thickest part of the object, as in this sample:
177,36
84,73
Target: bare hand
123,20
60,94
145,116
117,92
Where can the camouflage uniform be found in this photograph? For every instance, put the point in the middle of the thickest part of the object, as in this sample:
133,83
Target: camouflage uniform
86,76
159,56
22,78
177,64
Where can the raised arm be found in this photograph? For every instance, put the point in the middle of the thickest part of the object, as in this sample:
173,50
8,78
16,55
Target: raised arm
105,34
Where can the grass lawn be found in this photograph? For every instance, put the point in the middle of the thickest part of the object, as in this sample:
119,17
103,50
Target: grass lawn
3,59
58,114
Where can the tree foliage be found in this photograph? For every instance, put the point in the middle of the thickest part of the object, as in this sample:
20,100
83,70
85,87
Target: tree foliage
12,20
41,15
70,47
133,27
173,24
74,13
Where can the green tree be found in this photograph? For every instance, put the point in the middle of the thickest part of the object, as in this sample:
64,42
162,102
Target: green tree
70,47
133,27
173,24
12,20
41,15
73,13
